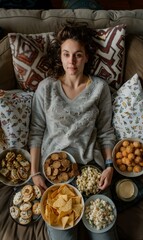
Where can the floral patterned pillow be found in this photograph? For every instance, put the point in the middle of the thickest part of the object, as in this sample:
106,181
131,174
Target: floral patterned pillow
128,110
15,111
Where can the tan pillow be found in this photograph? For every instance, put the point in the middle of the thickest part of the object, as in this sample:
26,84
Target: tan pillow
7,75
134,57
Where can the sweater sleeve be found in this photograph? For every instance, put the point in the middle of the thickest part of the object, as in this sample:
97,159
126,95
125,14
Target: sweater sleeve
105,131
37,126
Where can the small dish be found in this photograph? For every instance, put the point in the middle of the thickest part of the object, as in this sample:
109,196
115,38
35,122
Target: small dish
126,190
108,204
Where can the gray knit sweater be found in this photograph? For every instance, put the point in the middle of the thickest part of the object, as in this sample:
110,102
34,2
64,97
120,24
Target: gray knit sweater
59,123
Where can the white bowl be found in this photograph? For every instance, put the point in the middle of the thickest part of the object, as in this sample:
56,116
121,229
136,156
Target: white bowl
116,149
44,202
69,157
4,179
86,221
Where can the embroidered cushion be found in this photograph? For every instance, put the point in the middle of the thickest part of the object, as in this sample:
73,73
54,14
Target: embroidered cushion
29,54
128,110
15,109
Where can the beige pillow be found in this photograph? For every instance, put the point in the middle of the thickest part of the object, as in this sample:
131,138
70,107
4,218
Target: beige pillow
134,57
7,75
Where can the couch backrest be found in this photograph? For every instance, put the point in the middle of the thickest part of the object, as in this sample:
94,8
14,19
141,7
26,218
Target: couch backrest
36,21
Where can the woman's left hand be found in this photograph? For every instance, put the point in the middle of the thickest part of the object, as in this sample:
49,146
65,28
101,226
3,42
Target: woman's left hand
106,178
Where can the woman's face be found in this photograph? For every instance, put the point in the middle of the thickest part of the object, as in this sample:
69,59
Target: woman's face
73,57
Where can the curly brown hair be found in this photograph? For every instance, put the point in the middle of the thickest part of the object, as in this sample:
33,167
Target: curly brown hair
80,32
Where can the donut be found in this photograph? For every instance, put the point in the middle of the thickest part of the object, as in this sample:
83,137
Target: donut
27,190
24,221
14,212
25,206
36,208
26,214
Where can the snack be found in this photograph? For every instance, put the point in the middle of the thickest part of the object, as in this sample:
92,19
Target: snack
61,206
129,156
87,182
23,203
59,168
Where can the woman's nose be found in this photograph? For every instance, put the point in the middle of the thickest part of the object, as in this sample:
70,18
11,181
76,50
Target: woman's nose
72,59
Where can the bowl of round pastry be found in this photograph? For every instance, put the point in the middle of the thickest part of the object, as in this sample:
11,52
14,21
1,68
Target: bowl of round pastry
15,167
25,204
60,167
128,157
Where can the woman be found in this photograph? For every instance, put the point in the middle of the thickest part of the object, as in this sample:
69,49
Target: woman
72,111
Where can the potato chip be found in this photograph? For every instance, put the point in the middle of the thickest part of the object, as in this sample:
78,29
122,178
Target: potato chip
64,221
59,203
67,207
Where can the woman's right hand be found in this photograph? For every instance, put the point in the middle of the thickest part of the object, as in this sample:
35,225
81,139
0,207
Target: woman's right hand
38,180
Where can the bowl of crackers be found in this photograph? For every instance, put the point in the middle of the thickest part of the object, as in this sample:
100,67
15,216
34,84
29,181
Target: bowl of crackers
128,157
25,204
60,167
62,206
15,167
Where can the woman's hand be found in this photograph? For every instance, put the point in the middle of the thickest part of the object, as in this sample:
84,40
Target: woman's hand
38,180
106,178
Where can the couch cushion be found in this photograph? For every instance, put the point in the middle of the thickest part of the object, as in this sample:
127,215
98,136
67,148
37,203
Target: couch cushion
109,57
7,76
15,109
128,110
29,54
133,59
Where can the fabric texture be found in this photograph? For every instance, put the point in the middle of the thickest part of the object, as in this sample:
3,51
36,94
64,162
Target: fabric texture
73,4
69,127
7,75
109,56
15,110
128,110
29,54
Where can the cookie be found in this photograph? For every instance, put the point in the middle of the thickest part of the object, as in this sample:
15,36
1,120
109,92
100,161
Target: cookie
24,221
37,191
36,208
26,214
26,190
14,212
25,206
17,198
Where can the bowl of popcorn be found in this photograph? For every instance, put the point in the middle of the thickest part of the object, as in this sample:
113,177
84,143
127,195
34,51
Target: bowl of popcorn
100,213
128,157
87,181
62,206
15,167
60,167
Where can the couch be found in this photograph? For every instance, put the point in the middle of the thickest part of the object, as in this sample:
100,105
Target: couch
20,25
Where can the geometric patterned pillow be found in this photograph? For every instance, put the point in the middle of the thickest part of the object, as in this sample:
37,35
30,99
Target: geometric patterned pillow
109,56
15,111
29,54
128,110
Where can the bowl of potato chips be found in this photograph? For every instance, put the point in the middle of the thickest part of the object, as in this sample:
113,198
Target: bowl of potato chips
60,167
128,157
15,167
62,206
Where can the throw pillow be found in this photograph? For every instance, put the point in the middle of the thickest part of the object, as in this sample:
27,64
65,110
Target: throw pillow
128,110
109,56
15,109
7,80
29,54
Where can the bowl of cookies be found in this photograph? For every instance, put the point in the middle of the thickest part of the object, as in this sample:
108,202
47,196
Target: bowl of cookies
15,167
128,157
25,204
60,167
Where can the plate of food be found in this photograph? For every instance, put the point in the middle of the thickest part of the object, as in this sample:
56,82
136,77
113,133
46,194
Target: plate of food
62,206
100,213
60,167
128,157
25,204
15,167
88,180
